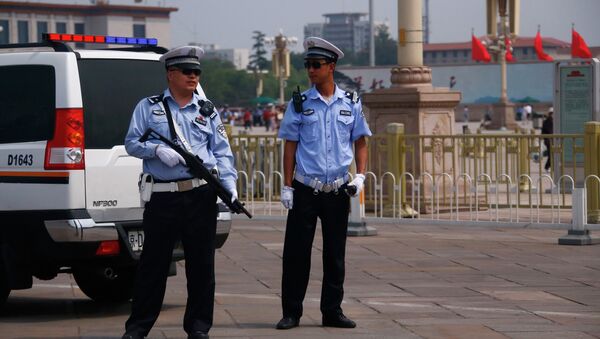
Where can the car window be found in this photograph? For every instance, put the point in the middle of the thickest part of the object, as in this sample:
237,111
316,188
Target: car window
110,90
27,103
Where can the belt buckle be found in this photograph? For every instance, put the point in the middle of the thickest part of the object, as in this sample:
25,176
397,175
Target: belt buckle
327,188
185,185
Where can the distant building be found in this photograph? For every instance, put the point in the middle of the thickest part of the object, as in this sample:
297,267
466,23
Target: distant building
345,30
24,22
523,51
239,57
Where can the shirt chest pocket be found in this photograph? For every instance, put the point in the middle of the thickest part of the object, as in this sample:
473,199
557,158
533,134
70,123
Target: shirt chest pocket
200,133
309,129
160,124
344,125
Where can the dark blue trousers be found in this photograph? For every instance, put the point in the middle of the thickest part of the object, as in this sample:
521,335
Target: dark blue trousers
333,210
170,216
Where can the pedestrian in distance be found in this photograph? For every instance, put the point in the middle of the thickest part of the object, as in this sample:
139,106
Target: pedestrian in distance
548,128
247,119
179,207
268,117
320,127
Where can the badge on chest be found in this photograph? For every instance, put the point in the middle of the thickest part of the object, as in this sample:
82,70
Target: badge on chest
345,113
200,119
308,111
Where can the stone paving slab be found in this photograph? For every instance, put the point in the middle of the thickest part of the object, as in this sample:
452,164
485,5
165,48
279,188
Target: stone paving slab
409,281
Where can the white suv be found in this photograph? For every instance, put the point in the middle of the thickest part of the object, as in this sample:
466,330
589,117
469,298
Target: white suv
69,200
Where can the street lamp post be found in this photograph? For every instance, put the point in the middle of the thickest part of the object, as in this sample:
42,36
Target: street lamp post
503,116
281,59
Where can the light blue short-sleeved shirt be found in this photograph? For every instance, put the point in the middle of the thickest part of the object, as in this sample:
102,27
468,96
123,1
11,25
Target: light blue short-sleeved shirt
325,133
206,136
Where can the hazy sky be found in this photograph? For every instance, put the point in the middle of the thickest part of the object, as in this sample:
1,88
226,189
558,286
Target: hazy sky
229,23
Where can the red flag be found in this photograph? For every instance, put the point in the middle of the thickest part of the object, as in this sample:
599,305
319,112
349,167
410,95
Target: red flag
509,56
579,48
478,50
539,50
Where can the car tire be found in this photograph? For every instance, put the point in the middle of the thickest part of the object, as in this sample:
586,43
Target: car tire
106,286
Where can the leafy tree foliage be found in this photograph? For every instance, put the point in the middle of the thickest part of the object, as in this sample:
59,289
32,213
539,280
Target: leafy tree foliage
258,61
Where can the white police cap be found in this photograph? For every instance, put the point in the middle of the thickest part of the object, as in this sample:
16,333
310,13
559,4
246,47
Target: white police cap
184,57
320,48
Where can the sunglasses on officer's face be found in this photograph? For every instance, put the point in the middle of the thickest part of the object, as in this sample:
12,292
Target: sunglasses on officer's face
187,71
314,64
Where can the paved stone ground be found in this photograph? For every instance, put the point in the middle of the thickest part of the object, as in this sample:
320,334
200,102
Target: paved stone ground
409,281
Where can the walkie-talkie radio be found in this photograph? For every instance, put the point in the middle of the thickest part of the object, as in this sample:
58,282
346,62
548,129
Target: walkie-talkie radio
297,100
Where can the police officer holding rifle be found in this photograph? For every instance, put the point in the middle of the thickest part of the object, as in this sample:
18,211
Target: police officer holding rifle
179,204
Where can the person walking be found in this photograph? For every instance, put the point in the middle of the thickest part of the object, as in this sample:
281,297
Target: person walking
548,128
320,127
180,207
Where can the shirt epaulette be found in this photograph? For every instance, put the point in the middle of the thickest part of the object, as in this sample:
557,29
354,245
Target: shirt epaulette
155,99
353,96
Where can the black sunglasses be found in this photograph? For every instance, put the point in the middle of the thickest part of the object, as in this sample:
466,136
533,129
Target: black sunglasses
314,64
188,71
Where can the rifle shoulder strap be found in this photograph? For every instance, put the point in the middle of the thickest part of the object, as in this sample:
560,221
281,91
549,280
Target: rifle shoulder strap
173,127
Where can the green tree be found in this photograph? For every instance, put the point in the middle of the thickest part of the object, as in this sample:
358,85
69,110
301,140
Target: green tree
385,47
224,84
258,61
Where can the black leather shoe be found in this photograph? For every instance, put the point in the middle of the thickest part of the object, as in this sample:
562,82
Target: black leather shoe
132,336
338,320
198,335
287,322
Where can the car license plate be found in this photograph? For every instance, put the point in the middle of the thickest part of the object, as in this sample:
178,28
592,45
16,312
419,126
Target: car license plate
136,240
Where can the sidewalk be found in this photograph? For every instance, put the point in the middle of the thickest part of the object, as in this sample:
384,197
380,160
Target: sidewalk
409,281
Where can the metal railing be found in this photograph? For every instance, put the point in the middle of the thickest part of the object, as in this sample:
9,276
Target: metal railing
457,177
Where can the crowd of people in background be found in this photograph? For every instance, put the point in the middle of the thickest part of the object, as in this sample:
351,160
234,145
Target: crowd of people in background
268,116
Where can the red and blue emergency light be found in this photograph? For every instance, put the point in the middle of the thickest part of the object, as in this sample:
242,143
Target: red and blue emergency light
101,39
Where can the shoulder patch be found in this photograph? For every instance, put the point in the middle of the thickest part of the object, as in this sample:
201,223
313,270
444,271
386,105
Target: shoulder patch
221,130
353,96
155,99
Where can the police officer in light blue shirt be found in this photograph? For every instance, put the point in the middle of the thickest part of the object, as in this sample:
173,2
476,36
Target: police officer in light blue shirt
320,128
180,206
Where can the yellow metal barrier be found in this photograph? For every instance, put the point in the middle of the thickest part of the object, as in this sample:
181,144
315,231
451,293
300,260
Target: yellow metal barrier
592,167
513,162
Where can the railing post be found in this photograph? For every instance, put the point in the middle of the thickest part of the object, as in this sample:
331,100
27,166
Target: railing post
578,234
396,159
591,140
524,161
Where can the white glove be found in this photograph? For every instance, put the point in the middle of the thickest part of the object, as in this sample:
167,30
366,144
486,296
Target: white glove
287,197
168,156
358,182
230,187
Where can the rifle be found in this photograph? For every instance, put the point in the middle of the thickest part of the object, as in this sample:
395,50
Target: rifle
197,169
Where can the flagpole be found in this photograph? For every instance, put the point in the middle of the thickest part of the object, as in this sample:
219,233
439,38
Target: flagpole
502,44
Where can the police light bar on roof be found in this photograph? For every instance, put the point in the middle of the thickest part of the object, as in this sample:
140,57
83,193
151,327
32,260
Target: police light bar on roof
101,39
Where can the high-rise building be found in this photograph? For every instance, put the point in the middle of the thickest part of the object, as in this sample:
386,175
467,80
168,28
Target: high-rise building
345,30
239,57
